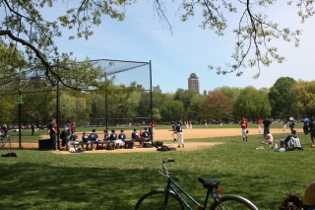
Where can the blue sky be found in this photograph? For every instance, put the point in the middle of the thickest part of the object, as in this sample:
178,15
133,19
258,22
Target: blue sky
190,49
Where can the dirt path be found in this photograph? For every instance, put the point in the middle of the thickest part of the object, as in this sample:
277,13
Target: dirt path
161,135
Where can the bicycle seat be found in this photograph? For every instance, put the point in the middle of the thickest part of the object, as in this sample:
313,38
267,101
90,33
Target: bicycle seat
209,183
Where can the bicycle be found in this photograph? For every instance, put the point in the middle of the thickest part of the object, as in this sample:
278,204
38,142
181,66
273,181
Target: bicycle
169,197
4,139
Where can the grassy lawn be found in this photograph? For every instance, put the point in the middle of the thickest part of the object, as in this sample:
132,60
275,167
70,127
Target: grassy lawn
43,180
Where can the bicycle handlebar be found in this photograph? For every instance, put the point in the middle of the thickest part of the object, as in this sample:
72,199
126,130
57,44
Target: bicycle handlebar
167,174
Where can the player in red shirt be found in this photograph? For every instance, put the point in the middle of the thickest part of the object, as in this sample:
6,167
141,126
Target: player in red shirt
244,126
153,125
259,122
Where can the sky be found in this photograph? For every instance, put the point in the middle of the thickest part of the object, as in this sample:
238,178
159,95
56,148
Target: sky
190,49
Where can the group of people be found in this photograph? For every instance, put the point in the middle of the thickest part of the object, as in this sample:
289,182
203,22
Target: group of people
119,139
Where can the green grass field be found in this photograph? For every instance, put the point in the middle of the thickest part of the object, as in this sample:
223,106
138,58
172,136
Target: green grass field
44,180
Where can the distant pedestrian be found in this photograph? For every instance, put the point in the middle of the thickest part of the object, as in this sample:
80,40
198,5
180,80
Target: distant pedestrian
306,125
259,122
187,124
190,124
33,129
179,132
206,123
221,122
244,126
266,123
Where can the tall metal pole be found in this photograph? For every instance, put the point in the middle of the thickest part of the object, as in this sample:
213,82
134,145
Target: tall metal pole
151,100
58,110
106,103
20,112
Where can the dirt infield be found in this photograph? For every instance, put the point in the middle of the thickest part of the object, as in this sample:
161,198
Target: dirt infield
162,135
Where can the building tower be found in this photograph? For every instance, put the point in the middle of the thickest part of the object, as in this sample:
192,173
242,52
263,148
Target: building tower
193,82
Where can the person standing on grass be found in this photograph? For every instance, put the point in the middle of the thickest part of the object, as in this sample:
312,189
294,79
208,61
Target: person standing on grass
53,135
306,125
259,122
266,123
244,126
206,123
312,129
179,133
72,126
33,129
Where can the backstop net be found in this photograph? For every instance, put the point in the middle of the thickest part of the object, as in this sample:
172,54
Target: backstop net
126,100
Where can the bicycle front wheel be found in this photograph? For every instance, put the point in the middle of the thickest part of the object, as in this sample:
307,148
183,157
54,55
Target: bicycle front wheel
232,202
156,200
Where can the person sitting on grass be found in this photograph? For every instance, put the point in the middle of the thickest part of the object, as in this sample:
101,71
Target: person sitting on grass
268,138
291,142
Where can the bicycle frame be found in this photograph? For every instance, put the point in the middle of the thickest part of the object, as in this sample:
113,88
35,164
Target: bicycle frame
172,186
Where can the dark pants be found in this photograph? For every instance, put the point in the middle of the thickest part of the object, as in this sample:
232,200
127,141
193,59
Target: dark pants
305,129
52,141
266,131
313,137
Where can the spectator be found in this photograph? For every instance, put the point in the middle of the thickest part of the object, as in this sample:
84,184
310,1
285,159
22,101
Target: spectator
309,197
244,126
268,139
266,123
291,142
33,129
312,129
306,125
53,135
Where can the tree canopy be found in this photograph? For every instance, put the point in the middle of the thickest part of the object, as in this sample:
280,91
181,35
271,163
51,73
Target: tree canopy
26,26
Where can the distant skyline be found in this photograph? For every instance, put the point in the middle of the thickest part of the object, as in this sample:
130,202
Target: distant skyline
141,37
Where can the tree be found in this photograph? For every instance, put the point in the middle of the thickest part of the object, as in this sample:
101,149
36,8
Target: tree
252,104
282,98
185,97
216,106
172,110
20,18
305,95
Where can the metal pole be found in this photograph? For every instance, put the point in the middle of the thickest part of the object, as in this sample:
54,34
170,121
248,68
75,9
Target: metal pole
151,100
58,110
20,114
106,103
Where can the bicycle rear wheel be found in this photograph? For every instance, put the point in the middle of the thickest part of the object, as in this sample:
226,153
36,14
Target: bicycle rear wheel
156,200
232,202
